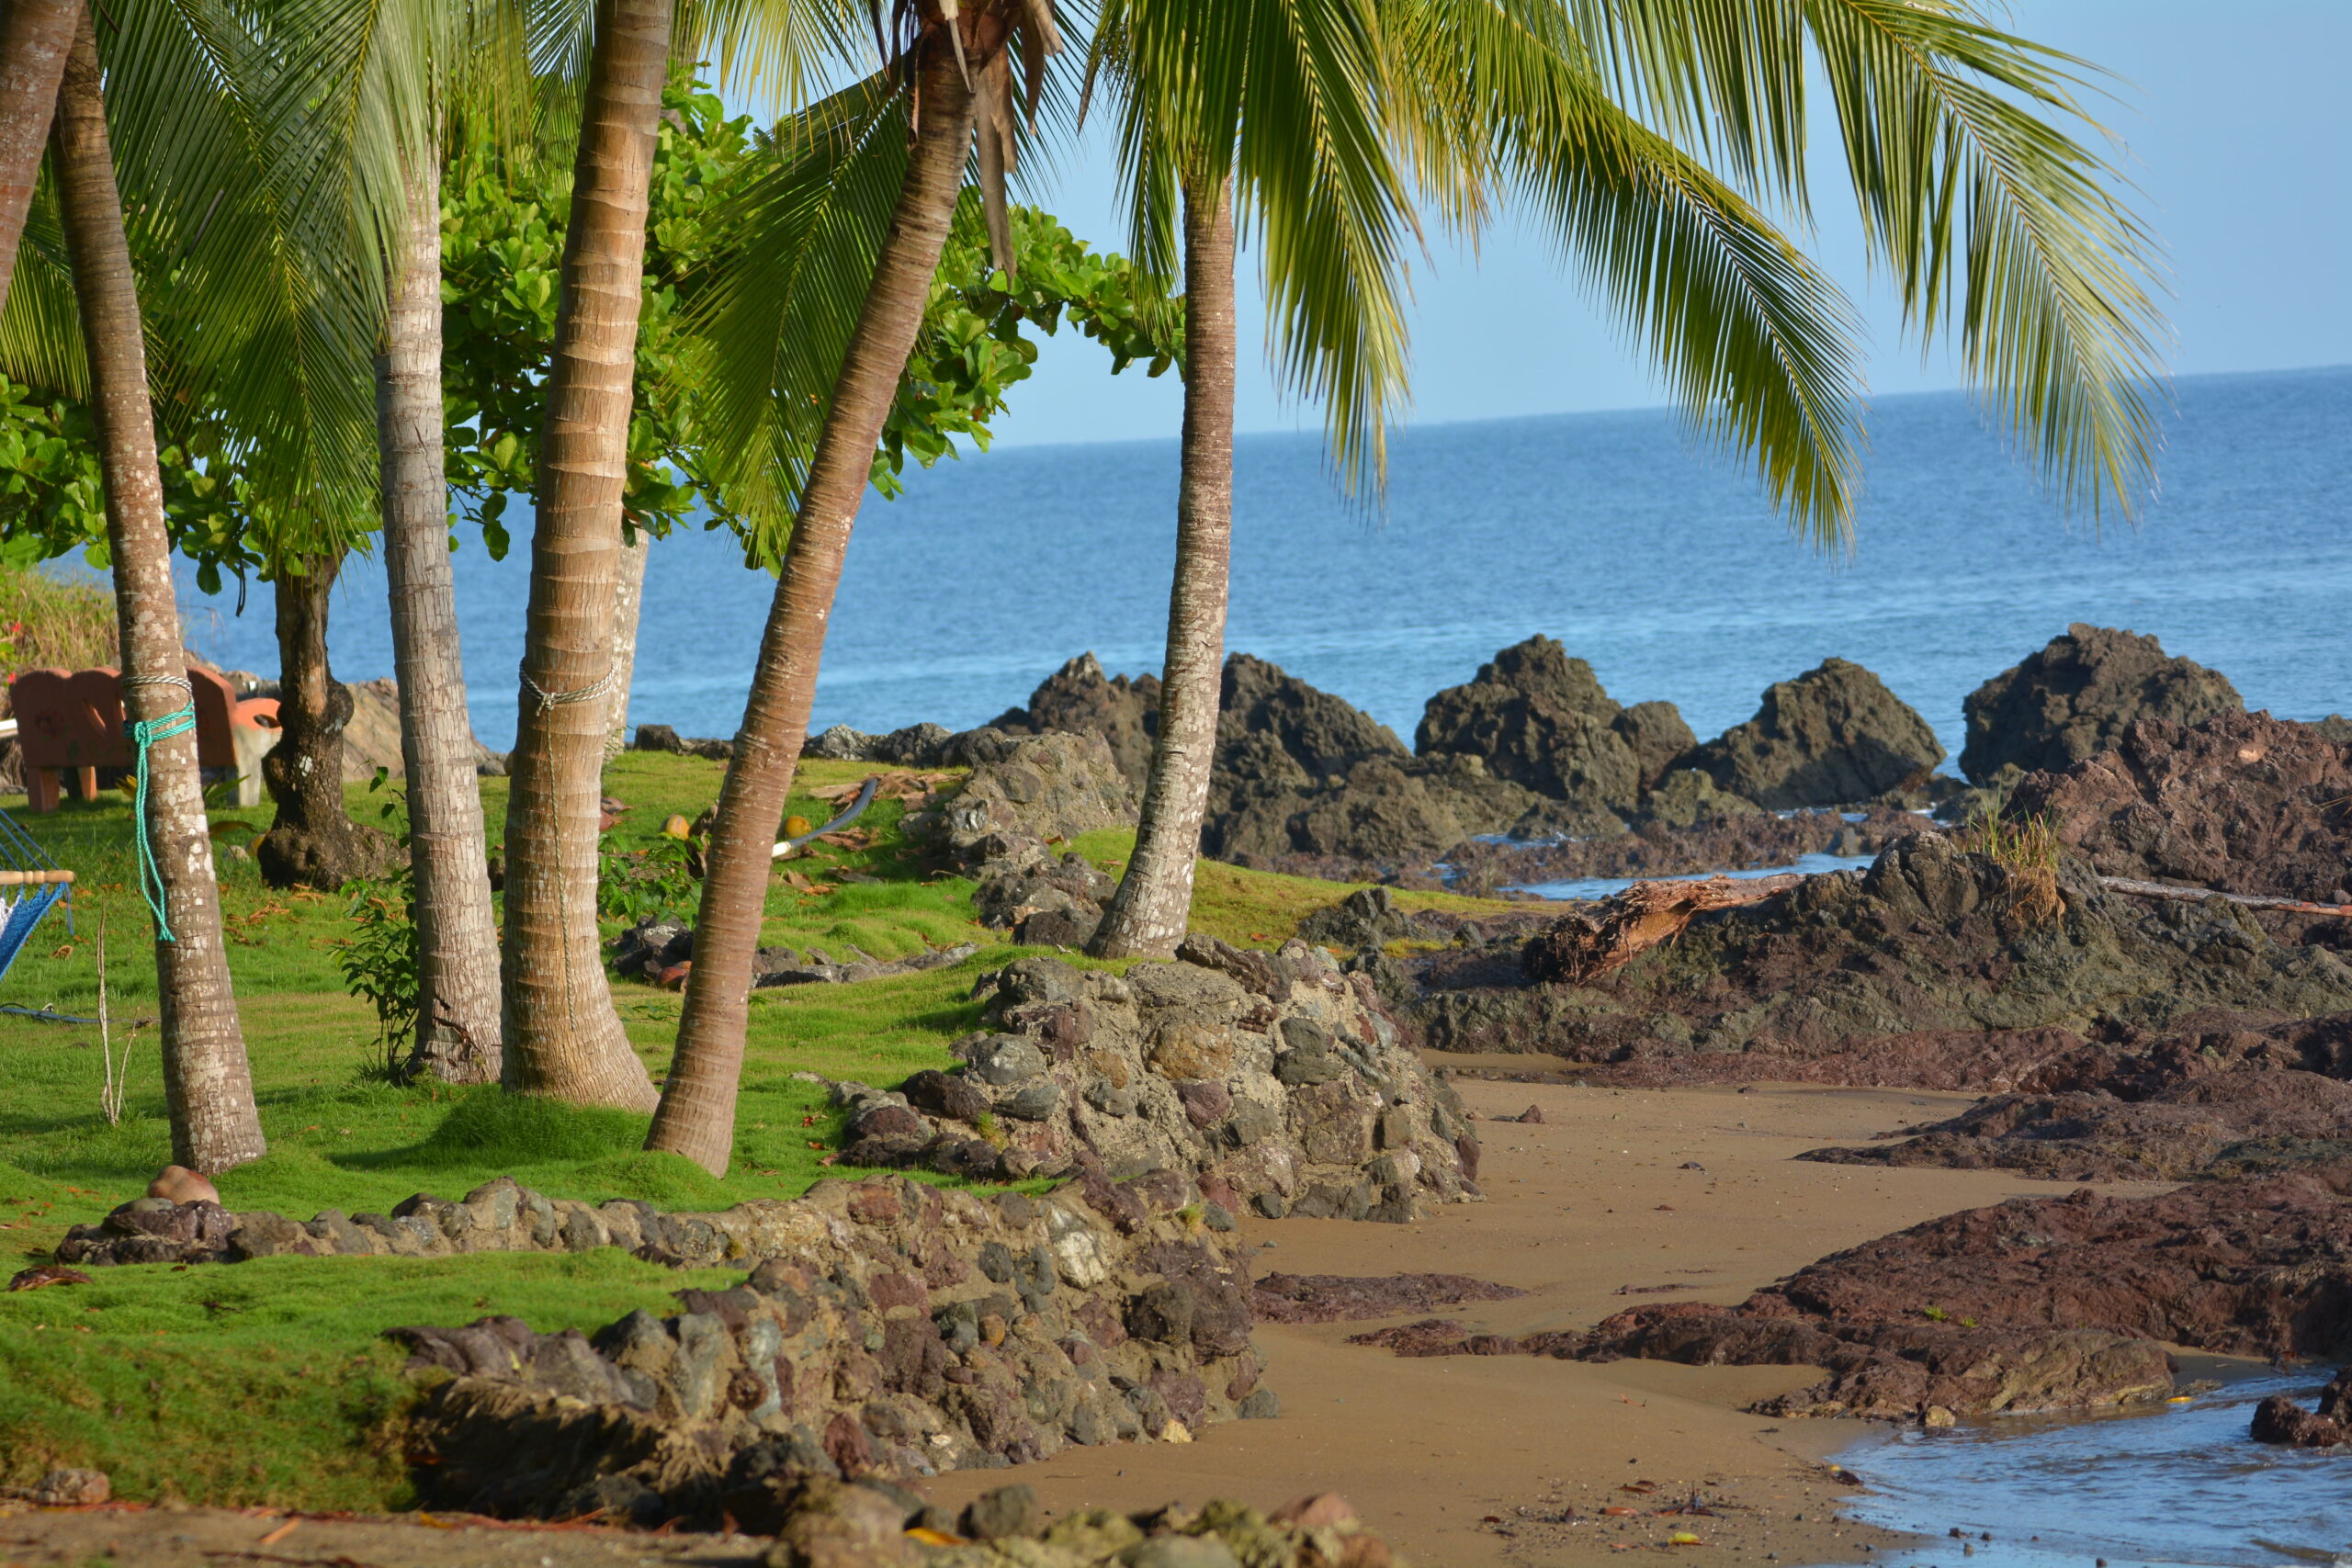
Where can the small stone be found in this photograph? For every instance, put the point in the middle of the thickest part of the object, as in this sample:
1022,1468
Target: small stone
1179,1551
1006,1511
180,1185
74,1489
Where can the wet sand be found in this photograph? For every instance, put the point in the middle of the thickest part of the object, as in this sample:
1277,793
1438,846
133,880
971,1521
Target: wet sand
1460,1461
1474,1459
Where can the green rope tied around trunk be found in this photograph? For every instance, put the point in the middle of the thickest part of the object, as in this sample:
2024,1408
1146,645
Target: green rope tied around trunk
144,733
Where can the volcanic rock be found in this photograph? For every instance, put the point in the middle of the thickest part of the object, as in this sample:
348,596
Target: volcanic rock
2241,802
1538,719
1687,797
1336,1298
2073,700
1832,735
2280,1420
1931,947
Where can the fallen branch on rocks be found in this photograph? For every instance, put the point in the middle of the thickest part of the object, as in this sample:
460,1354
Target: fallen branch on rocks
1587,943
2139,889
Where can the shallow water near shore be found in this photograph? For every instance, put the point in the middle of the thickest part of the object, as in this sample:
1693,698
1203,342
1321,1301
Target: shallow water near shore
1602,886
2183,1484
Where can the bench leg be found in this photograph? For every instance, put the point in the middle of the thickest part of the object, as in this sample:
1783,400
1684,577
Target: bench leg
87,779
40,789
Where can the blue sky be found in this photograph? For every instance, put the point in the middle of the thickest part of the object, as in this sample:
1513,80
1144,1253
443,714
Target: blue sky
2238,135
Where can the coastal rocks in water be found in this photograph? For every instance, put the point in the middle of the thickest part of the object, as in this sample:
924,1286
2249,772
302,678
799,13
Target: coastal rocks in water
1537,718
1687,797
1079,699
889,1330
2280,1420
1273,1079
1340,1297
1833,735
2073,699
1751,841
1932,946
2241,802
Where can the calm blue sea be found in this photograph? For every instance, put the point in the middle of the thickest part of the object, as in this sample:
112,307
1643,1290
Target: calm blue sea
1656,562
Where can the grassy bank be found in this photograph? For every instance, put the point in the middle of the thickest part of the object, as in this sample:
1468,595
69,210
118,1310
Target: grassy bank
268,1383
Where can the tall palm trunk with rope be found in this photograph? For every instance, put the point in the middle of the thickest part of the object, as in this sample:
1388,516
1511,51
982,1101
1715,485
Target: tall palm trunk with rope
696,1117
562,1037
205,1080
1149,912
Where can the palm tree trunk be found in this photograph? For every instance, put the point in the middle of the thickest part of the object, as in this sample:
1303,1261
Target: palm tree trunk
205,1080
456,938
1149,912
313,842
696,1117
628,609
35,38
562,1036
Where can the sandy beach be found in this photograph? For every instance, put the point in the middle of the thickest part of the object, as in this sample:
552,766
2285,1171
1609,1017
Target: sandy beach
1475,1460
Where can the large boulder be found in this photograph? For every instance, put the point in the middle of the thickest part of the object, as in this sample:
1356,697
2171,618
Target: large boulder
2073,699
1537,718
1832,737
2241,802
1039,788
1326,736
1079,698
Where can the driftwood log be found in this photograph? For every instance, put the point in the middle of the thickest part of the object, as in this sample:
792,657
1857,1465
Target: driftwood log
2139,889
1587,943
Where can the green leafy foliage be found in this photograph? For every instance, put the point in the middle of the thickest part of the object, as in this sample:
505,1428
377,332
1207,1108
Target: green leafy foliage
379,958
654,880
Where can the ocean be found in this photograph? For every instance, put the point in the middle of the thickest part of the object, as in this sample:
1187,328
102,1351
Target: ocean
1659,562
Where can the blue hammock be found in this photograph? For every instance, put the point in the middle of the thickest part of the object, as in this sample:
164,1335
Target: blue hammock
30,885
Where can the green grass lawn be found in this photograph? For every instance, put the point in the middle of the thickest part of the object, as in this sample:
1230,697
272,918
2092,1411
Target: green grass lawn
267,1382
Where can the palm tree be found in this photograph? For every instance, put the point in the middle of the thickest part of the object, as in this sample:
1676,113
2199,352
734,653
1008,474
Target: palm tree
1970,189
959,62
35,36
214,1123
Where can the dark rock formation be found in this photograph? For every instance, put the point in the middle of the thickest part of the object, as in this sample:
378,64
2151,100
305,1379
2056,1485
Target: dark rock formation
2032,1304
1368,918
2072,701
1340,1297
2232,1095
1025,795
2280,1420
1929,950
1077,698
1537,718
662,738
2239,801
1833,736
1686,797
1324,735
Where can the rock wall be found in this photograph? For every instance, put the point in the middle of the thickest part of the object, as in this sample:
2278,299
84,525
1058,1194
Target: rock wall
890,1329
2074,698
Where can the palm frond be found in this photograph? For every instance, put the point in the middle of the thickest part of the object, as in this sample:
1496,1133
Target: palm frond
1970,155
1756,345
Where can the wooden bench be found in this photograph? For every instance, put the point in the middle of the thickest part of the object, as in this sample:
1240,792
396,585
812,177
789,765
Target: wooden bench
73,723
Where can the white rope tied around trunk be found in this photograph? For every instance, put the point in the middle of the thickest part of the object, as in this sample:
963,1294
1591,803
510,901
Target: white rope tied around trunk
588,693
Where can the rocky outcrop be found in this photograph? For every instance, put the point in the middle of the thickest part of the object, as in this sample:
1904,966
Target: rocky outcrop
1833,736
1845,970
2073,699
2241,802
661,952
1080,700
1340,1298
889,1329
1324,735
2044,1303
1537,718
1273,1080
2280,1420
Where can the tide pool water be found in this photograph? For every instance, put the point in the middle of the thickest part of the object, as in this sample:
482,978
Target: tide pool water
1659,564
2181,1484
